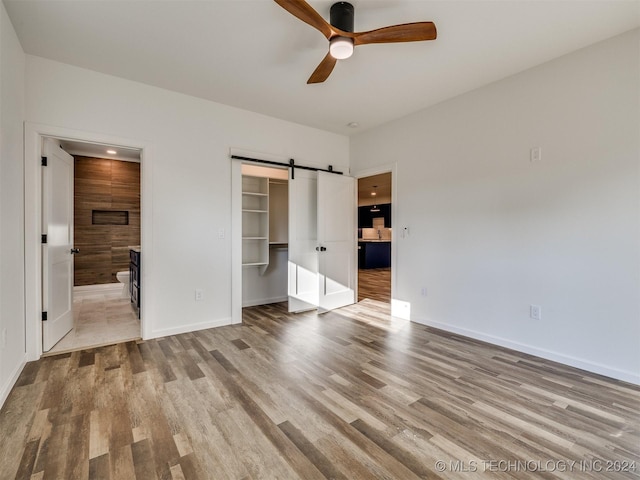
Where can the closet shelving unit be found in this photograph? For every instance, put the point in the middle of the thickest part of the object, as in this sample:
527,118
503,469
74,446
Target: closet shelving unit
255,222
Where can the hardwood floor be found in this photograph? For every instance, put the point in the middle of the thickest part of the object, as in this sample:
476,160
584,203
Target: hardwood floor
351,394
374,284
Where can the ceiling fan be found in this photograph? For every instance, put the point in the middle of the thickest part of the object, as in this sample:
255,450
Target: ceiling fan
342,38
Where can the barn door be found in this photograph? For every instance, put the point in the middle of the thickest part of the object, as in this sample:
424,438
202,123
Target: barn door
336,241
322,241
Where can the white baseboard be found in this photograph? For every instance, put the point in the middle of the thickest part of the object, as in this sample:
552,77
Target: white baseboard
192,327
624,375
264,301
11,381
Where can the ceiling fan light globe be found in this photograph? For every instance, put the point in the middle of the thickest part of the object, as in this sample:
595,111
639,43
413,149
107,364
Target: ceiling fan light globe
341,47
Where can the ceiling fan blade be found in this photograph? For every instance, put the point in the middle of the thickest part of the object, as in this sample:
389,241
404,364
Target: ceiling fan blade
322,71
306,13
407,32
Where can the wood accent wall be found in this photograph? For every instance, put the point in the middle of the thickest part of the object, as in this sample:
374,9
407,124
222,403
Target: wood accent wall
104,185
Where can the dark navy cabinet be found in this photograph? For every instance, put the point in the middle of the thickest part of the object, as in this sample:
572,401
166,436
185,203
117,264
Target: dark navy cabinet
134,279
374,254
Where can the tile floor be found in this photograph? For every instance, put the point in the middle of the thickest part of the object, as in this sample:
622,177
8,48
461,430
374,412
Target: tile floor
101,317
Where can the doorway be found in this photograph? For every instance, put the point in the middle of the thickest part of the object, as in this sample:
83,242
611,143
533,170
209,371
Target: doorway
375,237
106,230
35,134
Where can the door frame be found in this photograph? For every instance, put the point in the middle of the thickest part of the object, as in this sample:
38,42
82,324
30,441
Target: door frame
33,135
391,168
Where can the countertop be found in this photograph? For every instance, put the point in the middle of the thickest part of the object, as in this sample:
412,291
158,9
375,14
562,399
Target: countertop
373,241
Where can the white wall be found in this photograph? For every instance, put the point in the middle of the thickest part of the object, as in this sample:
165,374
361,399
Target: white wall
12,340
191,176
269,287
492,232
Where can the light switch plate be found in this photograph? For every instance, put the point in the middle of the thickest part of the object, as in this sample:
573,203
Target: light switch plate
535,312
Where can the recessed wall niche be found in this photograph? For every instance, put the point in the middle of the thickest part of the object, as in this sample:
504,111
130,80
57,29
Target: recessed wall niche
110,217
106,217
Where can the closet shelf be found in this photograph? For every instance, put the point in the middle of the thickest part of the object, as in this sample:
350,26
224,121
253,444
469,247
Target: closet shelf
256,194
255,222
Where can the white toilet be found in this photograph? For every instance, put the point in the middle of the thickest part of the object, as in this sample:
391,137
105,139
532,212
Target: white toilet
123,277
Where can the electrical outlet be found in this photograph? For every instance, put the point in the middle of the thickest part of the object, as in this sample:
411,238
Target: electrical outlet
3,338
423,291
535,312
199,295
221,233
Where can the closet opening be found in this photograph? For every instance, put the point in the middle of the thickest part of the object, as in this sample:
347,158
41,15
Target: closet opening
265,234
295,231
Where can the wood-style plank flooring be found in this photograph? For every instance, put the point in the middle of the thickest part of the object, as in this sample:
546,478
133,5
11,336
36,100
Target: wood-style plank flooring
351,394
374,284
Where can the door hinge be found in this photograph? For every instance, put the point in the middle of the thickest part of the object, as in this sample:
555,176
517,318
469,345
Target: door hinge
44,316
44,238
44,161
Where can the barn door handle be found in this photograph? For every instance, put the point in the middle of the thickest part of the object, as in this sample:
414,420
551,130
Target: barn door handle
75,251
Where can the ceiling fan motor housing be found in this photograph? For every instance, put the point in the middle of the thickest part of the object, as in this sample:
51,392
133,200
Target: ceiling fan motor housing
341,16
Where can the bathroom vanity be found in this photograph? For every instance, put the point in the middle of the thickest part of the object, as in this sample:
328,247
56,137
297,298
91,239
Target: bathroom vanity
134,278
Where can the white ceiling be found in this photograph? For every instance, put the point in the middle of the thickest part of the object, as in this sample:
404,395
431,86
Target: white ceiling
380,184
254,55
95,150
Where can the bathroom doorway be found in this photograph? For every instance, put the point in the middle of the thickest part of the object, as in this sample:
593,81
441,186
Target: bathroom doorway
106,229
375,237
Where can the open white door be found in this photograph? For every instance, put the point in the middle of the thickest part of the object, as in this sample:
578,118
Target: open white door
57,255
336,240
303,240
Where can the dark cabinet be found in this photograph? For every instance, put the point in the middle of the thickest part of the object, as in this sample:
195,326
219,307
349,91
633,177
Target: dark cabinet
374,255
134,279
